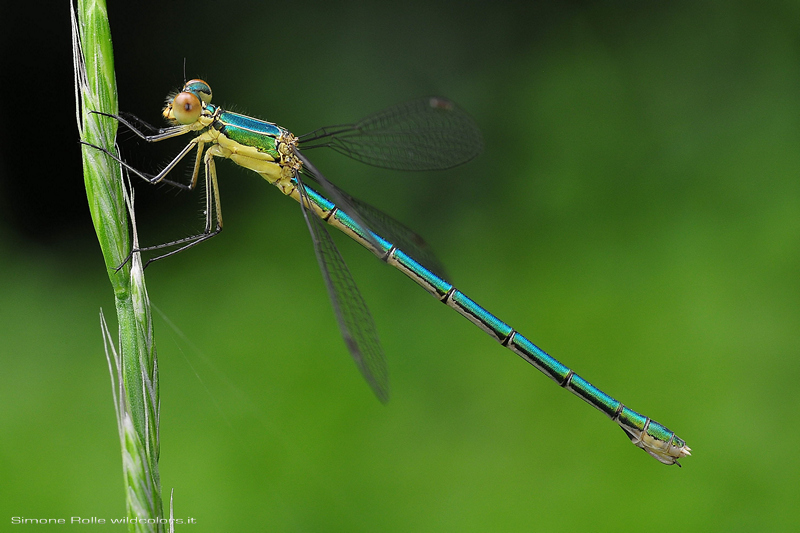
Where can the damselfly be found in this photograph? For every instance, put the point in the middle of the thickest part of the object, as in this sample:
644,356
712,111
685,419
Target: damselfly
425,134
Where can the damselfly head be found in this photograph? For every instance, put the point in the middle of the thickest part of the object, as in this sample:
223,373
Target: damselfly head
186,106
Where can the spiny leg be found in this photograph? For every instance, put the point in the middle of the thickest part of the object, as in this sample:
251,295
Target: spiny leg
160,135
213,210
160,177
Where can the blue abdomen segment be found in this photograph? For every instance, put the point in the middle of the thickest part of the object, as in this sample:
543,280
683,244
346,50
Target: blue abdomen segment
345,220
424,277
324,205
548,365
479,316
593,396
657,440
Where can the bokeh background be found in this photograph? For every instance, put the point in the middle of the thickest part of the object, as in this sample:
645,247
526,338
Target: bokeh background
636,213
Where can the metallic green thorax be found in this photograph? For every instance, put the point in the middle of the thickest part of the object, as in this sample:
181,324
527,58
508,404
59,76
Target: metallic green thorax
248,131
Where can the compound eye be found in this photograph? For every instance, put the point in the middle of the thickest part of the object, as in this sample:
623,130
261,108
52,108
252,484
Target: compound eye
200,88
186,107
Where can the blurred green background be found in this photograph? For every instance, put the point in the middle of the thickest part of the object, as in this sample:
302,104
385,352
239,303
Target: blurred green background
636,213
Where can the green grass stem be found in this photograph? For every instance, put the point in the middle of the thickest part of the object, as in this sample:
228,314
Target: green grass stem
134,367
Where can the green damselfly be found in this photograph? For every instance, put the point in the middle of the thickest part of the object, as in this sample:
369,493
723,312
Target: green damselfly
425,134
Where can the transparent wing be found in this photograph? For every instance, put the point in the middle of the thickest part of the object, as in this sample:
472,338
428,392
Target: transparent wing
397,233
355,321
430,133
376,221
